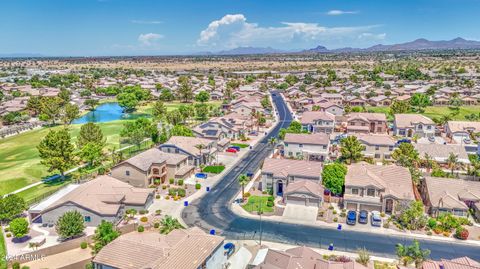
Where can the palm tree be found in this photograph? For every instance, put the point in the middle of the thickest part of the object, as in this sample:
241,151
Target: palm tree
475,168
169,224
200,147
243,181
412,253
351,149
428,161
272,141
452,161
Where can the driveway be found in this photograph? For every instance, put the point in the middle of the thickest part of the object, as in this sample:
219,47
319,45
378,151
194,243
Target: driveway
213,212
300,212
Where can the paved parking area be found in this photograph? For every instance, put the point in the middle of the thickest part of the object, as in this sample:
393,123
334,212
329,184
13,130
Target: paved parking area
300,212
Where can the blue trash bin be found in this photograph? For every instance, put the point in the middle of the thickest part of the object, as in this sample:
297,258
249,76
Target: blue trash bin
185,203
330,247
208,188
212,231
339,227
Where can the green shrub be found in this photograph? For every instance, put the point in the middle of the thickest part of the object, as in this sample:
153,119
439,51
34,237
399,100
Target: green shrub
429,233
25,267
158,211
180,182
198,186
270,204
171,181
335,219
172,192
156,225
140,229
462,233
16,265
164,187
271,198
143,212
143,219
83,245
334,212
181,192
8,235
157,196
102,170
432,223
343,214
247,194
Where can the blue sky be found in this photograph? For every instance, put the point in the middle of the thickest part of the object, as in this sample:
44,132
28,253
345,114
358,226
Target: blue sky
143,27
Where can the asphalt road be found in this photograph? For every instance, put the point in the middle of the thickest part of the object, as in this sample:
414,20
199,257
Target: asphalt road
213,212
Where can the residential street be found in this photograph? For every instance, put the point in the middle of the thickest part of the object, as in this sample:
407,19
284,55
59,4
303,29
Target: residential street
213,212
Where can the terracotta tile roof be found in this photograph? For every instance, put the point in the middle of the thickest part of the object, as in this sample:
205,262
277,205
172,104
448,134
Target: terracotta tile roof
313,139
186,249
305,186
144,160
367,116
285,167
311,116
449,193
395,180
302,258
376,139
189,143
408,120
458,263
462,126
104,195
440,152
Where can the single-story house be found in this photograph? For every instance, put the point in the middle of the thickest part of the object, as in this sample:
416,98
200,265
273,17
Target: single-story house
182,248
102,198
198,150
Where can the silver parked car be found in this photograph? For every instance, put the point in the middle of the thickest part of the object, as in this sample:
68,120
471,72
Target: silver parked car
376,219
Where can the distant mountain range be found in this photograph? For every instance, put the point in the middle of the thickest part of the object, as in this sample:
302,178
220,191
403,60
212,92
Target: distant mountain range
21,55
419,44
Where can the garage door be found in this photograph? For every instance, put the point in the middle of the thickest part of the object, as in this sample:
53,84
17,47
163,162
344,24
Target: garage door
295,200
370,207
352,206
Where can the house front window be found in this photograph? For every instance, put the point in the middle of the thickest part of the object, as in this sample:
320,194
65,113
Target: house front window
377,147
355,191
87,219
371,192
127,173
300,145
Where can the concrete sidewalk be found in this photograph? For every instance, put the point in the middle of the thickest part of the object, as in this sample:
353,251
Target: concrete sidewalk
237,209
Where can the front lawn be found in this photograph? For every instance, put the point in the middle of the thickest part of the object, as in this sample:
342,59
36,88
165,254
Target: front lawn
214,169
242,146
256,202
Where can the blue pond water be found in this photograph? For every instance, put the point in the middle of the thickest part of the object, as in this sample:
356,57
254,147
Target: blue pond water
104,113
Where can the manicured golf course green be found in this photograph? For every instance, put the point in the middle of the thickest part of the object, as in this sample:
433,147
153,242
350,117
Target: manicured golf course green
19,160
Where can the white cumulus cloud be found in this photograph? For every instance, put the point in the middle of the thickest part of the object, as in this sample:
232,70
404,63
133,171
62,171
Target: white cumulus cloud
233,30
149,39
337,12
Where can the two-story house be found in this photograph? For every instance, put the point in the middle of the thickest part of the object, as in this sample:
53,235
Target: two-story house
377,187
367,123
277,174
408,125
312,147
318,122
198,150
377,146
152,166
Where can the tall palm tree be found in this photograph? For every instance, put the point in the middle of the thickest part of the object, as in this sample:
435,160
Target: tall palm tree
453,162
200,147
475,168
428,161
412,253
169,224
243,181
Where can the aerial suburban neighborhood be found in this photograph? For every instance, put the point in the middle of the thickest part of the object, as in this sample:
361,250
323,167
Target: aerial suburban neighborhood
239,150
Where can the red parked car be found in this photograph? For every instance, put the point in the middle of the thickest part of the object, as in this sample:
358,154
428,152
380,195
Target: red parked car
232,150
